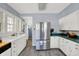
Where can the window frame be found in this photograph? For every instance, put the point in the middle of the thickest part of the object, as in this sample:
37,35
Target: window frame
10,24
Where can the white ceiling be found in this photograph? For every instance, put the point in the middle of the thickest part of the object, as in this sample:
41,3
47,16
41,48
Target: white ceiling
24,8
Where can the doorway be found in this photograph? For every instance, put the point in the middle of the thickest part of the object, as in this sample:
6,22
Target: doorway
29,23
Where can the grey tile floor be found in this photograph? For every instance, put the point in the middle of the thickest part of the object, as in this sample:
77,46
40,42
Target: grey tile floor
33,52
30,51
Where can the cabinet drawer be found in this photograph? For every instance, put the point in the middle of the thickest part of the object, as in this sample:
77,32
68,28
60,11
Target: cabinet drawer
77,46
75,51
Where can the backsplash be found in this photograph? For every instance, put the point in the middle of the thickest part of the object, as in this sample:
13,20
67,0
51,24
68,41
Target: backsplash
76,32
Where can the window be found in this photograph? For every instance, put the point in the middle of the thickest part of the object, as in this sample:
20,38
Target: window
9,24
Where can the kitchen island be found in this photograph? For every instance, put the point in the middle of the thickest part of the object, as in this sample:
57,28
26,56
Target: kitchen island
18,43
5,48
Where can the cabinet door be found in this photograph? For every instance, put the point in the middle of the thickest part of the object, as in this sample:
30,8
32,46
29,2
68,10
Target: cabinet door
61,23
70,48
67,47
1,21
14,48
18,45
54,42
23,41
70,22
6,53
61,46
75,51
51,41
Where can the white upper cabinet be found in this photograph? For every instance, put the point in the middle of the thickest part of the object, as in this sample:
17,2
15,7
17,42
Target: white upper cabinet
16,24
70,22
20,25
10,22
1,17
75,50
9,19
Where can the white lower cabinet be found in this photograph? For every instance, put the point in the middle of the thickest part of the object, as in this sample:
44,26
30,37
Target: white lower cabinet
69,47
18,46
54,42
75,50
61,44
51,42
6,53
66,46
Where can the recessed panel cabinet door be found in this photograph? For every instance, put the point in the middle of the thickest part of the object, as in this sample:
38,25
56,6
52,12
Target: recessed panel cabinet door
51,42
70,22
61,23
75,51
67,47
54,42
18,45
14,48
61,46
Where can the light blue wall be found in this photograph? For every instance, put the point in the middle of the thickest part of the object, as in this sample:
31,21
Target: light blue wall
40,17
54,18
6,7
71,8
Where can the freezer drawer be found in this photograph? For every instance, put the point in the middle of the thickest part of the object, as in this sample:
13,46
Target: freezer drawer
42,44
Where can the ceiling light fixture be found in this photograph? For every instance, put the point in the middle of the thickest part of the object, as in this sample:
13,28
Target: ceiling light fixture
42,6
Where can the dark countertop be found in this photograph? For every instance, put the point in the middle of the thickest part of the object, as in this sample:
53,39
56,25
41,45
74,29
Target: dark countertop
4,47
65,36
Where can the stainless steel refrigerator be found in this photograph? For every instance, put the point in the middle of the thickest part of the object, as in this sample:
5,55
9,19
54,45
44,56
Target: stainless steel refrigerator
42,34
